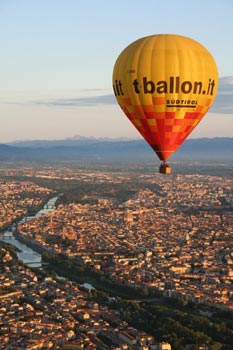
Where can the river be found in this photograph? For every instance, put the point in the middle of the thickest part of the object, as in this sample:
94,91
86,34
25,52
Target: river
29,256
26,254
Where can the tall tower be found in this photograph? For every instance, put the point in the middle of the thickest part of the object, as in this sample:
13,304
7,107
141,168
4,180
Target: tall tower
187,238
128,216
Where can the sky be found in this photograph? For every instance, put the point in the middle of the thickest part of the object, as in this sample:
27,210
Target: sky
57,58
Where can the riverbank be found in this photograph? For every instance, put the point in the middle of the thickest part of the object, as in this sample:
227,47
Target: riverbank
31,243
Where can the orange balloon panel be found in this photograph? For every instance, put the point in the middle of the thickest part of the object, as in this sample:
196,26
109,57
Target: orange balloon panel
165,84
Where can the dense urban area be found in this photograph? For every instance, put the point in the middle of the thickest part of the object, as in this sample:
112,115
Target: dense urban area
158,250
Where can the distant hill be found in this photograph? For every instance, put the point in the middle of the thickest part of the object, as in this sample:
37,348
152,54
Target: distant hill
69,142
81,148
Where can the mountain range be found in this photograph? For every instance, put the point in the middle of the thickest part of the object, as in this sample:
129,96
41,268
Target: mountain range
83,148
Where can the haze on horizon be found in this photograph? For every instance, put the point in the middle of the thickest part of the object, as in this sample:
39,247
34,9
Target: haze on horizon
57,58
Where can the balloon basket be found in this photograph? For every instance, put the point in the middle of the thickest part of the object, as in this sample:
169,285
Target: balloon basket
165,169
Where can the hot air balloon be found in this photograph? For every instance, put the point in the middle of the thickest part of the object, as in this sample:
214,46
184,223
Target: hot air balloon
165,84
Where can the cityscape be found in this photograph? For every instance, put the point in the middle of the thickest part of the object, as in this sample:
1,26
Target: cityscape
113,235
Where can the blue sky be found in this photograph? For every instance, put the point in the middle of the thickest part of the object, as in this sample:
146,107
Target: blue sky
57,56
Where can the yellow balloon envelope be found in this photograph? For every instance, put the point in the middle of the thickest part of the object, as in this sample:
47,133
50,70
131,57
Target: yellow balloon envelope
165,84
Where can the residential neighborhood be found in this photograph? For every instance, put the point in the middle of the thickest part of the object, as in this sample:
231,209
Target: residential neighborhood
177,240
169,235
46,313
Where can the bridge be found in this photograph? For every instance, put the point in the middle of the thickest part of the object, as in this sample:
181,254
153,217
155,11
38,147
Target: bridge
31,263
49,206
5,235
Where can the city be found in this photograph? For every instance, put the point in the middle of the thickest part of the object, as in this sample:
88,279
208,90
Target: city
168,236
